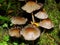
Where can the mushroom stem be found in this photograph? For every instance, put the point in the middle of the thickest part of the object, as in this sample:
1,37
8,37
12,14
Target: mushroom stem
33,20
33,42
36,1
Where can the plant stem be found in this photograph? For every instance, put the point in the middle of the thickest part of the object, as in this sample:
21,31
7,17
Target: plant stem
43,32
52,38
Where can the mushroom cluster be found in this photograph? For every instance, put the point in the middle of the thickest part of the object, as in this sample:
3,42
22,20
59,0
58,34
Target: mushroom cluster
31,31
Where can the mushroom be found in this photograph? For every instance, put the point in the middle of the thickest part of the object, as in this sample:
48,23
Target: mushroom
14,32
46,23
31,6
18,20
41,15
30,32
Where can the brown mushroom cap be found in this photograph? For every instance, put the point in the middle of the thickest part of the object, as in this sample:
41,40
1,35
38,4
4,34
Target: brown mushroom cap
47,23
15,32
18,20
31,6
30,32
41,15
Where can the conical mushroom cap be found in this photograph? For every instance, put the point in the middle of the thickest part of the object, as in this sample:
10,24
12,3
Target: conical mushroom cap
30,33
41,15
18,20
14,32
31,6
47,23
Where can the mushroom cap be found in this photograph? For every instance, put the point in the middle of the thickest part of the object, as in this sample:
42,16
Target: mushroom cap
41,15
15,32
18,20
31,6
30,32
47,23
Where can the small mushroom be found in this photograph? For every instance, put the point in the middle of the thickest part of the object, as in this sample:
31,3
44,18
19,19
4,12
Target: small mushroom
30,33
41,15
46,23
31,6
14,32
18,20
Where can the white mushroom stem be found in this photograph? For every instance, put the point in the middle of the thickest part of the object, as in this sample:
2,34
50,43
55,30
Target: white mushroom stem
33,20
36,1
